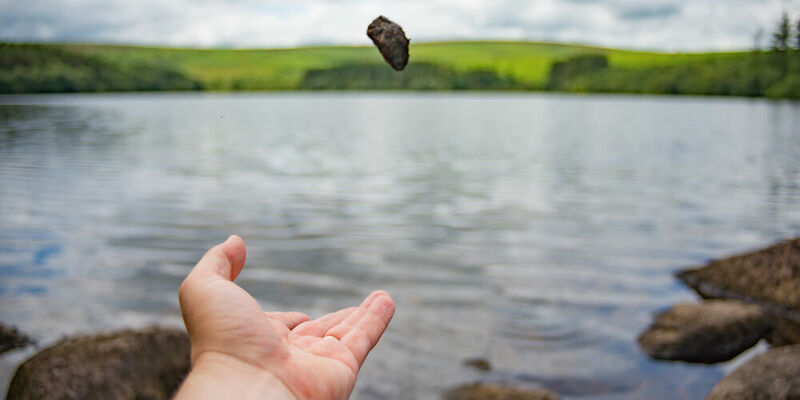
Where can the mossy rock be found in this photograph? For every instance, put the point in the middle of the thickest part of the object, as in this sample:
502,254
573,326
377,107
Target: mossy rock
11,338
770,277
774,375
708,332
131,364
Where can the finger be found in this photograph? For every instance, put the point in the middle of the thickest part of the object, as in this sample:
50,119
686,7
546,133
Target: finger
290,319
319,326
224,260
366,333
348,323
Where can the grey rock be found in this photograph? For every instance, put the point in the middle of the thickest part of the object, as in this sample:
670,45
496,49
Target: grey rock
784,331
145,364
11,338
774,375
495,391
390,40
708,332
479,363
770,277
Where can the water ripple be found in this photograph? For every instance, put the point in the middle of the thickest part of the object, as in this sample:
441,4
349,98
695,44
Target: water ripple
536,231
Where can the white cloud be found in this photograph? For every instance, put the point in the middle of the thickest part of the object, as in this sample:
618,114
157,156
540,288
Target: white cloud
654,24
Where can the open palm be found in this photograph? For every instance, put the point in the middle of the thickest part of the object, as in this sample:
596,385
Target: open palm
313,359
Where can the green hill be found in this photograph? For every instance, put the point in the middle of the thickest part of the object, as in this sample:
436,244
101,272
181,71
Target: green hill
434,66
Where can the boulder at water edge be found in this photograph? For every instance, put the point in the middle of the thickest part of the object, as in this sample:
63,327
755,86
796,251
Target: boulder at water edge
774,375
145,364
11,338
770,277
707,332
784,332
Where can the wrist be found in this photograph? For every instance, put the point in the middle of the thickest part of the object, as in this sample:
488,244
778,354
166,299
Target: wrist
217,375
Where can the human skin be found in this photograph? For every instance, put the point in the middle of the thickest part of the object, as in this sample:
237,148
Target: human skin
239,351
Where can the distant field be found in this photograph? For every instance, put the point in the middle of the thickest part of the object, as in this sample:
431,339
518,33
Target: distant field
282,69
512,65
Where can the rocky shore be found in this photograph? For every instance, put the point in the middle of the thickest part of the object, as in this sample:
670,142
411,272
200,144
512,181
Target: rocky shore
11,338
131,364
746,298
709,332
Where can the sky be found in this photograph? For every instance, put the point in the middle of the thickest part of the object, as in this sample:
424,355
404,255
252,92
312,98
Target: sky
665,25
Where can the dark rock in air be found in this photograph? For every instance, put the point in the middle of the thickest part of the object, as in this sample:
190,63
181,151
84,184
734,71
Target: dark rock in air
494,391
479,363
784,332
390,40
708,332
146,364
774,375
770,277
11,338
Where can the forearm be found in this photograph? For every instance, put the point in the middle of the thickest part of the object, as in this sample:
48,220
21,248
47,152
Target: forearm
219,376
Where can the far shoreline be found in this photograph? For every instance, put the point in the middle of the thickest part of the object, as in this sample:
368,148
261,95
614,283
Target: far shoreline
504,66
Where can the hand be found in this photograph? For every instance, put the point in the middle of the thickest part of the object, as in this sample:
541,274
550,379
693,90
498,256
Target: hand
240,351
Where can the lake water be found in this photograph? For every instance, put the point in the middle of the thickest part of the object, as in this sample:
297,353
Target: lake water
536,231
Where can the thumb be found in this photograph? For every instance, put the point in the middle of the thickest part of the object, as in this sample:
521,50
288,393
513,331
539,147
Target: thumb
224,260
222,263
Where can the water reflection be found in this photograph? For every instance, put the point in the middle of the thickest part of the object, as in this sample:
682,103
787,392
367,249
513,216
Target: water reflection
535,231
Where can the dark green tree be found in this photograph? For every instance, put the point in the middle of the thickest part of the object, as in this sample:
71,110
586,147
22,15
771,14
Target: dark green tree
780,39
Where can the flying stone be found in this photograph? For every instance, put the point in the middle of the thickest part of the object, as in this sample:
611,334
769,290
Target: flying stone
390,40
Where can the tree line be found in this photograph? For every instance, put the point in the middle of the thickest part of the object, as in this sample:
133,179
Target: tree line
774,73
786,36
35,68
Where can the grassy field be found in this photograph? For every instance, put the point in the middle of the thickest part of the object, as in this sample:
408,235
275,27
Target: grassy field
526,64
283,69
